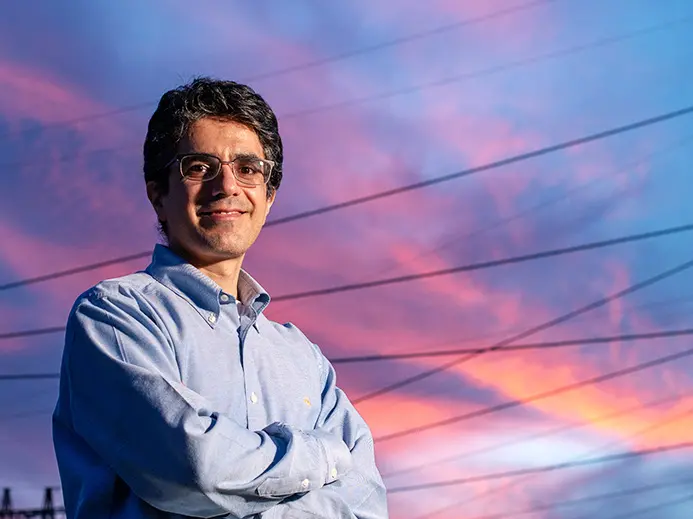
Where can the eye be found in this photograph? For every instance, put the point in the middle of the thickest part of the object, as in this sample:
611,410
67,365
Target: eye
198,166
249,167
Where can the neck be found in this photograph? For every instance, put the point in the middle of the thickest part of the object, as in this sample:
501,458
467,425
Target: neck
224,272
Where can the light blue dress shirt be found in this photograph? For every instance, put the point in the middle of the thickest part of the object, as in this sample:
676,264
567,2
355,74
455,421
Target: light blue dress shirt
176,400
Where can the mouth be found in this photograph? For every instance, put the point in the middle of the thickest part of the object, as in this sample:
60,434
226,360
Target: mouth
222,214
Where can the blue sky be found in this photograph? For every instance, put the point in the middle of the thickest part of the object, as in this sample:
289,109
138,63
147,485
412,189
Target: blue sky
372,97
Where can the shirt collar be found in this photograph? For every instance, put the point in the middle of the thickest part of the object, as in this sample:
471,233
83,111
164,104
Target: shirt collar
200,291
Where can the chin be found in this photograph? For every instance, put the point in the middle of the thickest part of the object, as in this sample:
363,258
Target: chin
226,249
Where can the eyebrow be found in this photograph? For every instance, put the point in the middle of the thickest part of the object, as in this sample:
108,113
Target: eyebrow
248,156
237,156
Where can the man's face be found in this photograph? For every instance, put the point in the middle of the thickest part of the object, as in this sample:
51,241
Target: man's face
217,219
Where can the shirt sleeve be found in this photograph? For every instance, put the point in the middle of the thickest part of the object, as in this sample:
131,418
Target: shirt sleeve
360,494
168,443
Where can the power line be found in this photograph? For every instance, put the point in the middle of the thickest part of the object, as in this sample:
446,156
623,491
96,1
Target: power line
529,346
486,167
480,73
321,61
657,304
404,39
529,332
652,304
516,347
29,333
653,508
589,499
76,270
484,72
24,414
603,42
436,273
536,436
540,396
546,468
390,192
485,264
492,492
411,277
29,376
622,192
456,237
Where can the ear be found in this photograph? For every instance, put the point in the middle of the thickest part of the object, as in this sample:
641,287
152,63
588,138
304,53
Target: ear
155,198
270,201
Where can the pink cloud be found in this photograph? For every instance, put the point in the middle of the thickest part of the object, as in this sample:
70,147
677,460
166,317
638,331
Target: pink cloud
28,256
32,94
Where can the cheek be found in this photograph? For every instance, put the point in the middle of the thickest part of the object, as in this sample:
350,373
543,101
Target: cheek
259,202
180,204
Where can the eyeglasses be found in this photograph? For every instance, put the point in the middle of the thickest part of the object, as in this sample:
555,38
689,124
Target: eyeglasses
248,170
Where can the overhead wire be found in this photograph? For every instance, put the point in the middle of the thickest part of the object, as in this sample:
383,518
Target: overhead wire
606,417
516,347
529,332
567,51
630,238
482,265
367,49
652,508
389,192
616,494
544,468
457,237
484,411
523,478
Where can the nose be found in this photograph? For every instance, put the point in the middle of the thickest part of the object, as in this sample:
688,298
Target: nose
225,182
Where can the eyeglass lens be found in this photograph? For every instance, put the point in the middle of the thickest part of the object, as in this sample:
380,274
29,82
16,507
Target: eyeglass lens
247,170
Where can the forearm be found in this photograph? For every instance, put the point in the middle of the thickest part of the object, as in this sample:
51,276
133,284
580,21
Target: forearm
361,493
352,497
168,443
205,460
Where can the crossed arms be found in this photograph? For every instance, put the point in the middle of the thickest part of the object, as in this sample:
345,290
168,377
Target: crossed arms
176,452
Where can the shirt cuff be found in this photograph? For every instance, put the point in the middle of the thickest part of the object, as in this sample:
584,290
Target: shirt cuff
337,455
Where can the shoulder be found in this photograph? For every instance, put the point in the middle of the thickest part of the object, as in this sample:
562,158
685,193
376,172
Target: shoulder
130,291
120,288
125,306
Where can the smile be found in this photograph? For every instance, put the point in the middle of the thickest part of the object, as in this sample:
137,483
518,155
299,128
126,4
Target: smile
222,215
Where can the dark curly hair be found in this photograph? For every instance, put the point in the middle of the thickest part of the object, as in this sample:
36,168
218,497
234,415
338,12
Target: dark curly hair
206,97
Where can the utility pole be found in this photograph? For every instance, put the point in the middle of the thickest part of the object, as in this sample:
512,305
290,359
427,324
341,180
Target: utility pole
47,511
6,506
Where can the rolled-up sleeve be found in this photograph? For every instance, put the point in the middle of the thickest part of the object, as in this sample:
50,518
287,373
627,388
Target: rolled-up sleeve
168,443
360,494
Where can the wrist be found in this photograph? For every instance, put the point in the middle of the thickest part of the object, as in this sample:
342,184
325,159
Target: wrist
338,460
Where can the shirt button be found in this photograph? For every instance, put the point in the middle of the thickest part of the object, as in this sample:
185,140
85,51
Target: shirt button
333,473
212,318
253,397
224,297
305,483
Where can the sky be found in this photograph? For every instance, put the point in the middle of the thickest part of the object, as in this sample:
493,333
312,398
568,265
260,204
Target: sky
372,96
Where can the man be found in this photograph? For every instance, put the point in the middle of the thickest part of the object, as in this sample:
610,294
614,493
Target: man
178,397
